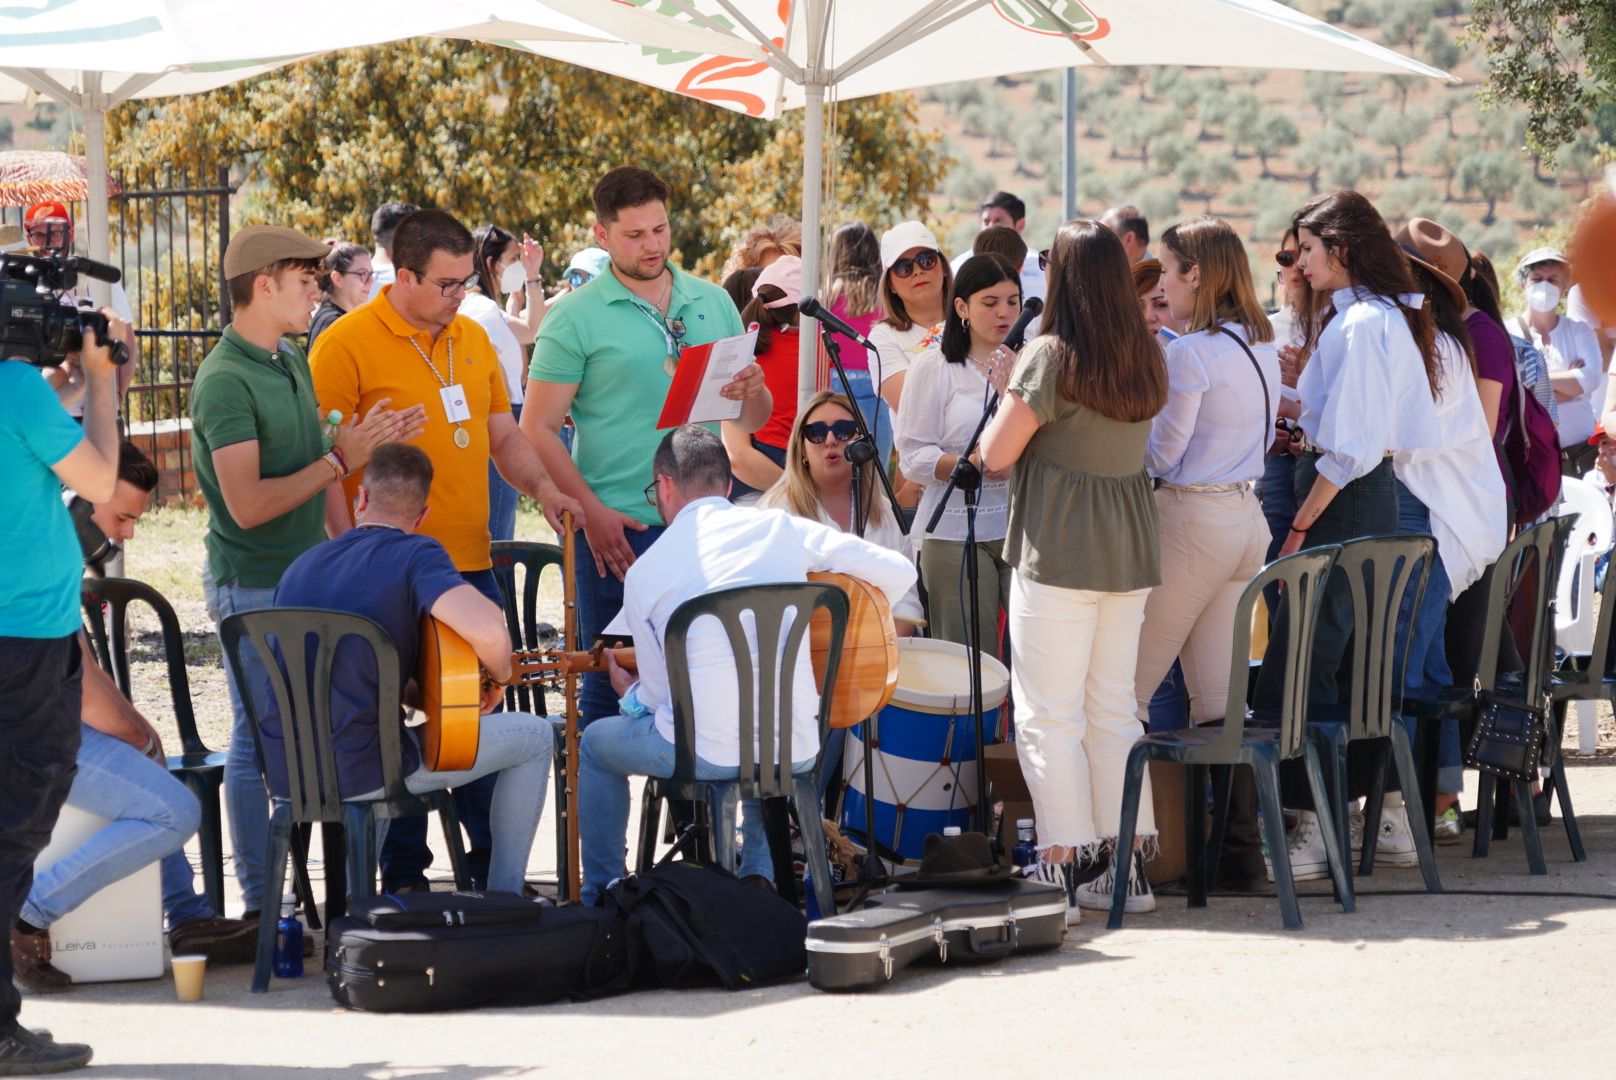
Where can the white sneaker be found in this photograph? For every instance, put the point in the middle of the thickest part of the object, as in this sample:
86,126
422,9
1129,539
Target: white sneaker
1057,874
1096,895
1305,845
1394,845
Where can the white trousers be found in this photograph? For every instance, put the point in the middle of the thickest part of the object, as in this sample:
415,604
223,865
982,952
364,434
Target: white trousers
1075,653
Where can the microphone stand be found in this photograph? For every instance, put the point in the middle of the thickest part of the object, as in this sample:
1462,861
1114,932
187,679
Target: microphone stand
860,453
967,478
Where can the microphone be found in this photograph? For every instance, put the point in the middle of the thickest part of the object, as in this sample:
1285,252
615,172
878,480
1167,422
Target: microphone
1031,308
91,268
812,308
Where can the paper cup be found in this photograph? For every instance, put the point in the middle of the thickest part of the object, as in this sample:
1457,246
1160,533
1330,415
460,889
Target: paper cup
188,974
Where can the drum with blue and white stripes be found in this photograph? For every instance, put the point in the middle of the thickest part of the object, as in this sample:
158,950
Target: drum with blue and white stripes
925,757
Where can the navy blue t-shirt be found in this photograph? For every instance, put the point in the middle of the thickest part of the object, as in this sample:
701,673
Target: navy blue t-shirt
384,574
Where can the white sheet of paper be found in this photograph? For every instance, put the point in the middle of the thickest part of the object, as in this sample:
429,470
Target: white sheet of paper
729,356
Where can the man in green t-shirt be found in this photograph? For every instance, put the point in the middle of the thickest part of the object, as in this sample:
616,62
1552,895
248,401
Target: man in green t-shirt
606,353
265,474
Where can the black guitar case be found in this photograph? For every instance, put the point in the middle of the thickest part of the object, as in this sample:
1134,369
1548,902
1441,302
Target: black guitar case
863,950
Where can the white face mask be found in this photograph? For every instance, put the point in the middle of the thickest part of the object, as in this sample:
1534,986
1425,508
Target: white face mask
512,278
1543,296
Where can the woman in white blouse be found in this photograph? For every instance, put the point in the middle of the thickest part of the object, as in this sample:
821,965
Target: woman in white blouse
1368,392
1206,450
916,282
945,393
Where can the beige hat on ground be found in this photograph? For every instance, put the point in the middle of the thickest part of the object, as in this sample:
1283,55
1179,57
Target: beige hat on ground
258,246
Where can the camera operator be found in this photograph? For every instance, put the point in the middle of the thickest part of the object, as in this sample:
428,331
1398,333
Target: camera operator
49,230
122,778
40,663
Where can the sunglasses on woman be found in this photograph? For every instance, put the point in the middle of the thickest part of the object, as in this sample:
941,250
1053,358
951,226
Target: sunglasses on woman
926,260
818,431
1287,259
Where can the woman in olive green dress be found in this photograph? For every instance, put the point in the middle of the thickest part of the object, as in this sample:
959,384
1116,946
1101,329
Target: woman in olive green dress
1084,551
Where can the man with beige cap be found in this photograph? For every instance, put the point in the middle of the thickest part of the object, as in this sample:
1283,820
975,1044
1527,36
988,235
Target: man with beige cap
263,467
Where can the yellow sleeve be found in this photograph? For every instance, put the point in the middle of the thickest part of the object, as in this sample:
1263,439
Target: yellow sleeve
335,371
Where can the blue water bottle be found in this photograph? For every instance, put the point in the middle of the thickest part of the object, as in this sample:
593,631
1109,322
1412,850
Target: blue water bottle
1025,853
289,941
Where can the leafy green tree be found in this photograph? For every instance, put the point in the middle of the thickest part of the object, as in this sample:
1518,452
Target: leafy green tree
1159,202
1361,14
1490,175
1443,154
1274,135
1331,156
1212,109
1404,24
1203,176
1169,150
1242,121
1440,50
1556,57
1138,129
1324,91
1543,204
1275,203
1399,131
492,134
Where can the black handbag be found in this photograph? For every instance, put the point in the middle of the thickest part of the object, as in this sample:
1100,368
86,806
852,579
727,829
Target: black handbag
1509,736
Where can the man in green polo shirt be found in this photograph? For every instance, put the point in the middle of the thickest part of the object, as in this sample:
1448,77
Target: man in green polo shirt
606,353
265,474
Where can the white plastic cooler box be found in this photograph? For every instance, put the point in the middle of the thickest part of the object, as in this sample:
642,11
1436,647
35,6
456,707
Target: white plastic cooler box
115,935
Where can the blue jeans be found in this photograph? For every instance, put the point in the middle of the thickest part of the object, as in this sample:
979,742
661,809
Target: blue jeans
502,498
617,747
1277,492
1427,654
599,601
149,816
404,853
245,799
877,417
1170,705
513,750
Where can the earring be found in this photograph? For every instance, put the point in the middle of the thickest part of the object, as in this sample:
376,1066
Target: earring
965,323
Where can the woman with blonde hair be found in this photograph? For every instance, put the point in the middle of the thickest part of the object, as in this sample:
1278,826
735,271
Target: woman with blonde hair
817,483
1084,550
762,244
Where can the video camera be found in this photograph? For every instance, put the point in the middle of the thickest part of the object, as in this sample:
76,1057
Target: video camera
34,323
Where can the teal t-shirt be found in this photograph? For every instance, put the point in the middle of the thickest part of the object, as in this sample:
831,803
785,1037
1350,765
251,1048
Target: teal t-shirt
615,347
39,590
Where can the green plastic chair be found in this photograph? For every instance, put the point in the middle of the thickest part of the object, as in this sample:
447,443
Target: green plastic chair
1379,571
1237,742
779,615
197,767
300,684
520,595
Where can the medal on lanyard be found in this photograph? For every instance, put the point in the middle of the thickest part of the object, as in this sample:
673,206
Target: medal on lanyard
673,331
455,408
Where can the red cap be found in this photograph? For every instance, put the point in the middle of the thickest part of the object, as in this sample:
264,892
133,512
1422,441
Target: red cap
46,211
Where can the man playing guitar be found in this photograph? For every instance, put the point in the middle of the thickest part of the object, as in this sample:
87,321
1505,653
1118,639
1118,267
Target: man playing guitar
384,570
709,544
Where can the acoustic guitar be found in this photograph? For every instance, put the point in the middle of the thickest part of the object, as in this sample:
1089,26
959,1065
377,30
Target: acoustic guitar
451,678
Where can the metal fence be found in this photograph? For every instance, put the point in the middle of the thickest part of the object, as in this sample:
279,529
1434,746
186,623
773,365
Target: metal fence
169,232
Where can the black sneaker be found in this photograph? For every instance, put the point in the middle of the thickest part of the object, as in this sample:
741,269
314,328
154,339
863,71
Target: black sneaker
27,1053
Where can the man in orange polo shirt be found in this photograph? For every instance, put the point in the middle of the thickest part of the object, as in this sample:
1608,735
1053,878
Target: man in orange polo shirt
411,345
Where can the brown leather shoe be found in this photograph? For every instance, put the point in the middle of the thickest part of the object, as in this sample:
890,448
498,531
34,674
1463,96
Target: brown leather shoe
223,941
31,963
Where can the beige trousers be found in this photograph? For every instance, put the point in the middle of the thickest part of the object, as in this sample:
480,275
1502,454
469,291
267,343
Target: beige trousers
1213,543
1072,676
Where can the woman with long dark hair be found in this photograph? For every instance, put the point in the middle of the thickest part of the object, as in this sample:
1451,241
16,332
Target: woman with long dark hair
508,303
345,275
1455,493
944,395
1084,549
853,294
1368,391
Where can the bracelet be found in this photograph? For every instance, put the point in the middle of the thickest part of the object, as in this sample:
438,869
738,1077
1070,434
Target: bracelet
336,452
534,281
1294,529
331,460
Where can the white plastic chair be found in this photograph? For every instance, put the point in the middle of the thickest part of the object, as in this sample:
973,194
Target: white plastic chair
1574,592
